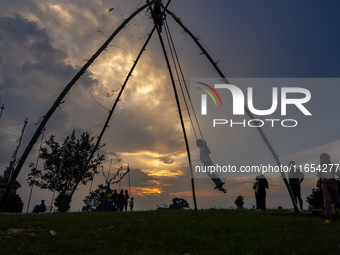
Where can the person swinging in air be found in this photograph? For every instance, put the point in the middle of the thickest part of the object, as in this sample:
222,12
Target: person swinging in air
206,160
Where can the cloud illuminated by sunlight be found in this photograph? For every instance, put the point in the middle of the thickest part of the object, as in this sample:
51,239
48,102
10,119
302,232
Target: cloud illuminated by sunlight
146,191
65,15
144,90
164,161
163,173
151,154
148,159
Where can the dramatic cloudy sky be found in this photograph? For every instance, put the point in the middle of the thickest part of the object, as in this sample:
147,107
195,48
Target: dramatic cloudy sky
43,44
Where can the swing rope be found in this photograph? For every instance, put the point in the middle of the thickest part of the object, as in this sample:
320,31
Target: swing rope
129,180
173,50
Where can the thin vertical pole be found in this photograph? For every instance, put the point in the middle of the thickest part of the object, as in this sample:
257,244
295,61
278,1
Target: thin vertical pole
120,175
14,156
180,116
108,176
128,168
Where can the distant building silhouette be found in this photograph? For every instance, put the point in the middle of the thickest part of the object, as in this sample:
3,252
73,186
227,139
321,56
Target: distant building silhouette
13,202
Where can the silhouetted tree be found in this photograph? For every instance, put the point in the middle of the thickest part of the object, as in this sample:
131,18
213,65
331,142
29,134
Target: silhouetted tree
61,174
59,202
179,203
315,200
96,200
239,202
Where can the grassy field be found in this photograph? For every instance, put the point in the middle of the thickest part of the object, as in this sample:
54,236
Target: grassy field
168,232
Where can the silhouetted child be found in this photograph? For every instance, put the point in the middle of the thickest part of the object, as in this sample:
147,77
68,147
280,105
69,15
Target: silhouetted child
131,204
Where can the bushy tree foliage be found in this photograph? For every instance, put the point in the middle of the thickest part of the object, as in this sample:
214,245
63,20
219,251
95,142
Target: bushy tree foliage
315,200
64,165
60,202
239,202
179,203
96,200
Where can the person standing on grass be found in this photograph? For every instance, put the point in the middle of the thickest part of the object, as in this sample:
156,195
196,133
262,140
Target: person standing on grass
263,185
131,204
328,184
110,201
120,200
114,197
295,177
126,200
256,189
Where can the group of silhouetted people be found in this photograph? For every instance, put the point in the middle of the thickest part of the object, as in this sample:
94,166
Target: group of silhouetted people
295,177
326,183
119,202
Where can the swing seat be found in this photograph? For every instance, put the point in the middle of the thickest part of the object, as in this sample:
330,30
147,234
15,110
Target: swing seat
48,210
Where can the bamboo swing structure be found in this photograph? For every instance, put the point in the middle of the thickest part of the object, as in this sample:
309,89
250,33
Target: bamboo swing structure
58,101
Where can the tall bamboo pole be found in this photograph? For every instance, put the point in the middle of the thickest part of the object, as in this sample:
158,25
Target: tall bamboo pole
180,116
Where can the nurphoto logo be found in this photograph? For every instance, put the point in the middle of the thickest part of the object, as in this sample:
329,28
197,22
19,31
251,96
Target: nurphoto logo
241,104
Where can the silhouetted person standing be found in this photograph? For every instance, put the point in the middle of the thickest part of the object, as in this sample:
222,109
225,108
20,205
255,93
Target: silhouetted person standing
328,185
110,201
120,200
115,197
126,200
256,189
295,177
263,185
